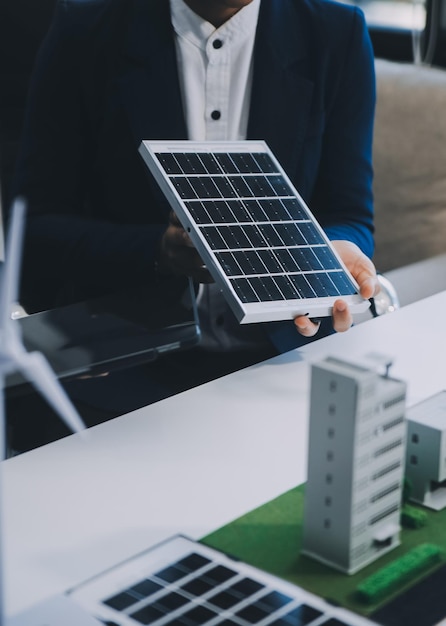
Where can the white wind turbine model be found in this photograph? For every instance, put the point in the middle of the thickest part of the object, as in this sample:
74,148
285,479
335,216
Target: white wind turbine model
14,357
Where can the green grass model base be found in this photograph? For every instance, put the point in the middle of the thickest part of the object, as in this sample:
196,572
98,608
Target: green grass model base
270,538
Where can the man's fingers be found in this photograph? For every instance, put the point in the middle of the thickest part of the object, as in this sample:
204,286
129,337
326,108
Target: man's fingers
179,257
365,275
179,232
173,219
369,287
305,326
360,266
342,318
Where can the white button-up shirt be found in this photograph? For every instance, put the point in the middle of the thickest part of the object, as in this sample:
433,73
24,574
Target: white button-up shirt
215,69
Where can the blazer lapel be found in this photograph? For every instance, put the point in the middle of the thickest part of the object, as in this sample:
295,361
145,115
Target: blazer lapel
279,68
148,84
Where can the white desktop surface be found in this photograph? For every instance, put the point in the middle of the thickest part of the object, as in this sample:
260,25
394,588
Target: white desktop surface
190,463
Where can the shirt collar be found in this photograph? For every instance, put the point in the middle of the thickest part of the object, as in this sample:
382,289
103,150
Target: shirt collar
196,30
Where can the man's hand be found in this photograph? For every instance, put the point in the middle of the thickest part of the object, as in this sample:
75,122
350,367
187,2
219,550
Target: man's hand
178,254
363,271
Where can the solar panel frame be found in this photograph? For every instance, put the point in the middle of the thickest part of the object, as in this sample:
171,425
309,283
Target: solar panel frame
243,214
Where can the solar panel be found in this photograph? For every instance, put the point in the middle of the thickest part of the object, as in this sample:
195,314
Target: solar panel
181,582
254,232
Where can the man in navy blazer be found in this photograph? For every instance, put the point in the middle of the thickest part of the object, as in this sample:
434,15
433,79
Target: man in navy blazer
107,77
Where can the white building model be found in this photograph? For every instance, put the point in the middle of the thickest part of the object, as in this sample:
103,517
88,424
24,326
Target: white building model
355,465
426,451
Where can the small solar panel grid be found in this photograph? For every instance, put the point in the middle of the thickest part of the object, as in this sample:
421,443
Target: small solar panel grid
262,235
175,590
196,590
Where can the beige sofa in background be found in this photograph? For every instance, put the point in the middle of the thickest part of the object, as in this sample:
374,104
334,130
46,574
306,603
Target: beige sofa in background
409,164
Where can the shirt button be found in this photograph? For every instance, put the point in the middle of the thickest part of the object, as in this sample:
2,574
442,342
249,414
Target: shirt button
217,43
216,115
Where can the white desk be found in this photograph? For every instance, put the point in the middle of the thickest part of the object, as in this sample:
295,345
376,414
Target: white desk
190,463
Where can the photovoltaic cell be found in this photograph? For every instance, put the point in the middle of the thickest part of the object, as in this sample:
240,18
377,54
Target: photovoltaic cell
197,585
254,232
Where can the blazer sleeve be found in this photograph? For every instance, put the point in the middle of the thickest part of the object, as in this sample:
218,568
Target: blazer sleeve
342,194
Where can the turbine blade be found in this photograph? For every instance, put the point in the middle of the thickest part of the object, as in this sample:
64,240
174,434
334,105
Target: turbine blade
34,366
37,371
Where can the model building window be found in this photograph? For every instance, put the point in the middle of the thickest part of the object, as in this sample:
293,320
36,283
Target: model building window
330,455
327,523
328,479
328,501
393,423
415,438
333,385
393,401
331,433
332,409
413,459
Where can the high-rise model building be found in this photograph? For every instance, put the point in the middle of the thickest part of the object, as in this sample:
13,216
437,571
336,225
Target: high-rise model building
355,464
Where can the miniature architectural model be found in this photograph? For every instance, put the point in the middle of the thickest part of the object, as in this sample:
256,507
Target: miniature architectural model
355,465
426,452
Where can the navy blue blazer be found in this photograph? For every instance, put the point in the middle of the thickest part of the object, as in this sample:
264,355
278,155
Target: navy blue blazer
106,78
